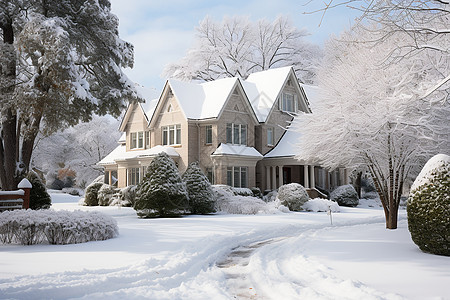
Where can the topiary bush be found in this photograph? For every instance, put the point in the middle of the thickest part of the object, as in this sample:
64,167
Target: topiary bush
201,195
39,198
127,196
91,193
345,195
428,207
293,195
161,193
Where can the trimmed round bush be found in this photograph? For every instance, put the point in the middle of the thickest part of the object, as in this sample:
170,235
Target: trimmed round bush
39,198
91,193
293,195
345,195
428,207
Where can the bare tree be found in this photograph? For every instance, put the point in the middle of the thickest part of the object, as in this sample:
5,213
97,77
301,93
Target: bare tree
238,47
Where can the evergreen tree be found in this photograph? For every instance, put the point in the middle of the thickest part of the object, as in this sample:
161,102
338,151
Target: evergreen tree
201,195
161,193
39,198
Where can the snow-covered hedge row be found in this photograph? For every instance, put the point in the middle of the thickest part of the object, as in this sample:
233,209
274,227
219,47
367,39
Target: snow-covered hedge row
228,201
319,204
28,227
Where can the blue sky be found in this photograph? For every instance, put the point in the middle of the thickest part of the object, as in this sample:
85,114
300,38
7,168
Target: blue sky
162,31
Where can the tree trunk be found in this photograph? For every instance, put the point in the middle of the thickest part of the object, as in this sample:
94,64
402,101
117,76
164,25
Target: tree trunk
391,220
358,184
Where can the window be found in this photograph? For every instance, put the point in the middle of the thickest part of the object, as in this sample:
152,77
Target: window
208,138
137,140
236,134
288,103
133,176
147,139
269,136
237,176
140,139
171,135
210,175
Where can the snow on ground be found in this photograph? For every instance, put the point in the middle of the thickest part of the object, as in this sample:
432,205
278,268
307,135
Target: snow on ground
280,256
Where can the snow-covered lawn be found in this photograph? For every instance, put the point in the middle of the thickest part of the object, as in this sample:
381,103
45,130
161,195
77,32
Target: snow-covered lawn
280,256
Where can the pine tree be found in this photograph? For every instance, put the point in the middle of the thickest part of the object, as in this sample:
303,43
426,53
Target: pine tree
161,193
201,195
39,198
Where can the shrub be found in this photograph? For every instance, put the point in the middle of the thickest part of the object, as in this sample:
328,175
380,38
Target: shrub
39,198
256,192
320,204
91,193
127,196
428,207
293,195
106,194
201,195
345,195
228,202
56,184
161,193
28,227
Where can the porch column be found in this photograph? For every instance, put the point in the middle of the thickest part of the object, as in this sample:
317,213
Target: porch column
280,177
313,179
267,177
274,178
306,176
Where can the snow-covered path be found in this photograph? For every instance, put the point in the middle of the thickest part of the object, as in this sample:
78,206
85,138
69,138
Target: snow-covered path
286,256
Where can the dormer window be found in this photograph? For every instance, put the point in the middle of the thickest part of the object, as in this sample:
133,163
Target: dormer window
137,140
288,103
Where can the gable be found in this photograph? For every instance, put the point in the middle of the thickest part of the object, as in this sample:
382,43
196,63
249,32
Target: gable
136,119
167,106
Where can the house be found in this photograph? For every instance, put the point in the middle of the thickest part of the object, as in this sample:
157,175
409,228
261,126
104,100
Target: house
236,129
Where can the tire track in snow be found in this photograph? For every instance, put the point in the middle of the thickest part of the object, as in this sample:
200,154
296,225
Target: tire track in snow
267,269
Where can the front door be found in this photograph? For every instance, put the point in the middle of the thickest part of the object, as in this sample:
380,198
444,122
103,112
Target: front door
287,175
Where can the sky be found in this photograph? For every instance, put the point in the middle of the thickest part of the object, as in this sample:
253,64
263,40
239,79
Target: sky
163,31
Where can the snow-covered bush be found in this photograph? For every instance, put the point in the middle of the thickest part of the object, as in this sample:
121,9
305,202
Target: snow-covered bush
293,195
91,193
319,204
39,198
28,227
228,202
201,195
161,193
242,192
127,196
345,195
107,194
256,192
428,207
271,196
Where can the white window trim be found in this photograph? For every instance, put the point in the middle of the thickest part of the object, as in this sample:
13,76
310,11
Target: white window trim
240,127
240,171
135,136
165,130
208,131
270,142
282,103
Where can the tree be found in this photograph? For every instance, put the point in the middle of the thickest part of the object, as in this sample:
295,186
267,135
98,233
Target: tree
238,47
61,61
161,193
376,116
79,148
39,198
201,195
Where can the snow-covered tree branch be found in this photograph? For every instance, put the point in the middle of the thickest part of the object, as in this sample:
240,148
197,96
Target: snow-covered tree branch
372,115
60,62
239,47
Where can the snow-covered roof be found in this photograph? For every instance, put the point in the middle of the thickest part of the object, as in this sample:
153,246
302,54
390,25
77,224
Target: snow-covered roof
150,95
205,100
312,94
262,89
286,145
120,153
241,150
123,138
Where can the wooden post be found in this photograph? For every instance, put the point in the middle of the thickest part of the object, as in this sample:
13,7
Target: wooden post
26,186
